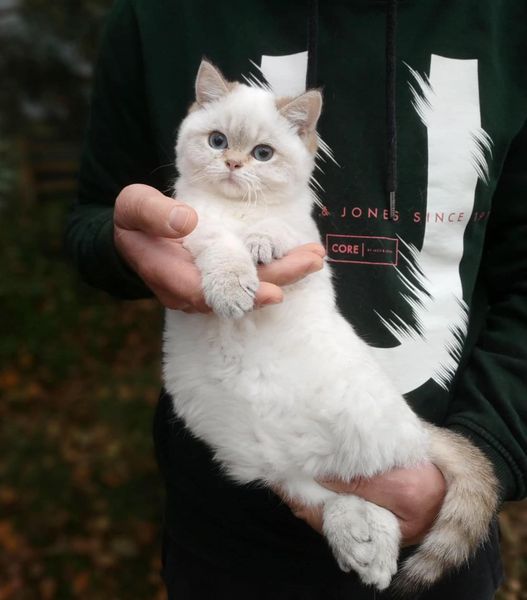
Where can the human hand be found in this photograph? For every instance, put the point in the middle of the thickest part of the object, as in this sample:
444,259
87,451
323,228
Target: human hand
414,496
148,231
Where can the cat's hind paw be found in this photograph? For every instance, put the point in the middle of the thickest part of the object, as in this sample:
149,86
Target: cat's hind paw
364,538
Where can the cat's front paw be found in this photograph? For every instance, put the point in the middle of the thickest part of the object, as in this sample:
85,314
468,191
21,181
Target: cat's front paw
230,293
264,248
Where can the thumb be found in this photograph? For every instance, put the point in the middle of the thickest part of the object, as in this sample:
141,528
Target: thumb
144,208
343,487
382,489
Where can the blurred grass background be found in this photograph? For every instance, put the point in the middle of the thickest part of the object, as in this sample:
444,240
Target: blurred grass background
80,497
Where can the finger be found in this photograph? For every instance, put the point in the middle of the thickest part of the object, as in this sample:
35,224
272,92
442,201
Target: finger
266,294
381,490
312,515
311,247
143,208
397,490
339,486
409,535
291,268
201,308
167,268
374,490
175,301
413,494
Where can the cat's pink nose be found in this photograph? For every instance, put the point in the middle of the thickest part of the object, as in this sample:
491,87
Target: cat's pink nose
233,164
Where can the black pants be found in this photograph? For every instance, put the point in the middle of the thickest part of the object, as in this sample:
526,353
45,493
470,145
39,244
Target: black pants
188,577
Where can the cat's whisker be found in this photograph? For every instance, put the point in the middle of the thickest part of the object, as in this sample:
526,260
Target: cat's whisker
254,193
261,184
255,185
198,177
245,194
205,173
249,192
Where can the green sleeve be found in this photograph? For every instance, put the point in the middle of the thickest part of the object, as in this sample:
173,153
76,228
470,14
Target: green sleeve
490,398
118,150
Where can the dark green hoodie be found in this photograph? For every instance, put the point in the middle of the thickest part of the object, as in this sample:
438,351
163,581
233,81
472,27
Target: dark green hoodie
439,291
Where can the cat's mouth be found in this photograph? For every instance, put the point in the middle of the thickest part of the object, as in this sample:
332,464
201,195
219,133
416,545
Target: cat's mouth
233,186
231,179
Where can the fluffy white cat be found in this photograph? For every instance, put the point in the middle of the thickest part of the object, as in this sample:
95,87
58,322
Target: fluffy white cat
290,394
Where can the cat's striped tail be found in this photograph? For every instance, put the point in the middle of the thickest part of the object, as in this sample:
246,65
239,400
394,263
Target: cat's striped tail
464,519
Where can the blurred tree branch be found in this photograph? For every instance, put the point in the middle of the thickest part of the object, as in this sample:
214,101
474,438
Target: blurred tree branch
46,64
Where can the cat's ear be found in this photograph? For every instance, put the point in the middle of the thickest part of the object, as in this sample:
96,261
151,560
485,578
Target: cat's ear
303,111
210,83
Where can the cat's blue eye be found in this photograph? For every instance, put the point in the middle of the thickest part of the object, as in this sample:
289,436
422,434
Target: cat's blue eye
262,152
218,140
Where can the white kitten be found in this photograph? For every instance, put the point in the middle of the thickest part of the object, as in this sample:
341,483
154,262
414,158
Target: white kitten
252,384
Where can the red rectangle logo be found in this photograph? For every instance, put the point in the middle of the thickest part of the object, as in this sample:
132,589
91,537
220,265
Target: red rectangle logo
362,249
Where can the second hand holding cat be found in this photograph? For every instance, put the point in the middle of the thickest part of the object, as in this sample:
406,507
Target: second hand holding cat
148,231
413,495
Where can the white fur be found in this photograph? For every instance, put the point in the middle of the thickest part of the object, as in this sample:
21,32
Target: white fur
288,393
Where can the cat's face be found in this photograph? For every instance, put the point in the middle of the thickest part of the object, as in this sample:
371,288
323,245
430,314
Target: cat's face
243,143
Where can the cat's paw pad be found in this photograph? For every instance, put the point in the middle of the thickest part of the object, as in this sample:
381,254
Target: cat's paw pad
264,248
231,293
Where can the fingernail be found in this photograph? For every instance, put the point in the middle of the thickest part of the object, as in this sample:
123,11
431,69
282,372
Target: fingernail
178,218
269,301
